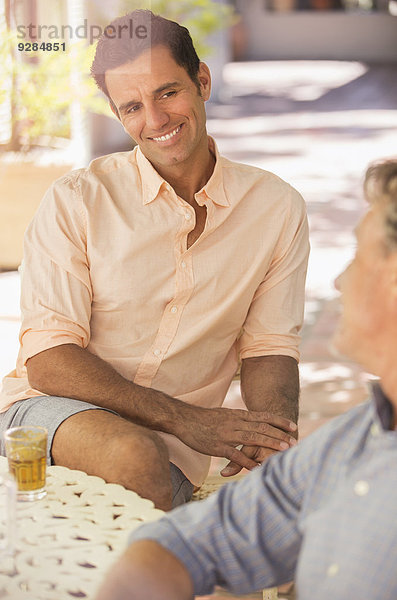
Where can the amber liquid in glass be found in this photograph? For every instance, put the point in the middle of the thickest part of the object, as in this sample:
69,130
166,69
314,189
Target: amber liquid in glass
28,466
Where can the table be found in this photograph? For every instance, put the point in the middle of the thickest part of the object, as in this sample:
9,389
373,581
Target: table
68,540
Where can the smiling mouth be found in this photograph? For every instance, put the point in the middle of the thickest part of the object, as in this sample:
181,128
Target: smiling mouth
168,136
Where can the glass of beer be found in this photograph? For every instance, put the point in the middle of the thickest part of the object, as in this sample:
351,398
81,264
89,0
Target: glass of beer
26,449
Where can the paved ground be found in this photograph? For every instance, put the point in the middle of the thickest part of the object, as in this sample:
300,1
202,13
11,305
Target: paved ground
317,125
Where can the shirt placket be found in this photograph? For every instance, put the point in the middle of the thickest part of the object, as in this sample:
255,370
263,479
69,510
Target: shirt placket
184,284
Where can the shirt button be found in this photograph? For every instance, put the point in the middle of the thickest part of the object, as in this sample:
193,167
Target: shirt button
183,264
174,309
361,488
332,570
188,216
375,429
157,352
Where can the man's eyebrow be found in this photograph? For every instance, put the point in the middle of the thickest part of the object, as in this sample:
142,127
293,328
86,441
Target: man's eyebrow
165,86
126,105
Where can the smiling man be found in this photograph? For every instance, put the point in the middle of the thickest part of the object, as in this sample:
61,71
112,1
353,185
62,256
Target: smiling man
148,276
323,513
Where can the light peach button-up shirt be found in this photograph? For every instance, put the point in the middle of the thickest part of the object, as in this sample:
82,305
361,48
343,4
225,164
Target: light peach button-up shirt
106,267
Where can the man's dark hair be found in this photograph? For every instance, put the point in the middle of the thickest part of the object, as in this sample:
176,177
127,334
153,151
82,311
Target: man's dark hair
117,46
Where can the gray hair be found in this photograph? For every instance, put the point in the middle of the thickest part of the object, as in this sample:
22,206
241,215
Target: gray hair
380,188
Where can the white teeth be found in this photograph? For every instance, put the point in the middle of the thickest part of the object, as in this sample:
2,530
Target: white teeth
163,138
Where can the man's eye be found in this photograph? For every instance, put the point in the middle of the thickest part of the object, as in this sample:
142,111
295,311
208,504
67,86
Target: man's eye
132,109
168,94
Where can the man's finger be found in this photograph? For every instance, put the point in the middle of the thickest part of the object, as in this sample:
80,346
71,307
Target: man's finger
238,457
261,455
271,419
253,438
230,469
273,432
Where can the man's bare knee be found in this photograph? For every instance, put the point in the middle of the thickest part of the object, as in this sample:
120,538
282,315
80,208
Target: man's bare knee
103,444
142,454
141,463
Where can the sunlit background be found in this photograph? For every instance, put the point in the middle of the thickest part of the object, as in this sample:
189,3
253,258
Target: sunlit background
304,88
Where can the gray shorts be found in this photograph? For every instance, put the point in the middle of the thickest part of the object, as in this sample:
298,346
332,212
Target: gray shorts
51,411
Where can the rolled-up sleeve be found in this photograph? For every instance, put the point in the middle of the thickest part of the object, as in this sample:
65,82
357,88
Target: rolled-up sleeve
55,288
275,316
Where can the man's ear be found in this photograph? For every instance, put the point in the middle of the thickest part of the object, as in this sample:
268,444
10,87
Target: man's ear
204,79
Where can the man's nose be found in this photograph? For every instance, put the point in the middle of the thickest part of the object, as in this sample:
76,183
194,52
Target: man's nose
156,118
337,282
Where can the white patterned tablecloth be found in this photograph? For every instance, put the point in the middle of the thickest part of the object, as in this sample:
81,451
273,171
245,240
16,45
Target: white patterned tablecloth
68,540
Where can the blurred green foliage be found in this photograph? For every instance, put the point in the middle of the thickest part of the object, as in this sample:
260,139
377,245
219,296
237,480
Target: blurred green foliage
41,86
201,17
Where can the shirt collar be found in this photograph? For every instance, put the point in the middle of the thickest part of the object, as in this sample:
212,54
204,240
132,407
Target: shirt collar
214,188
383,406
152,181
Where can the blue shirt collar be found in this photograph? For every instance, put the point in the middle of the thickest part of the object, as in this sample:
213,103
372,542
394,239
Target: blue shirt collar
383,406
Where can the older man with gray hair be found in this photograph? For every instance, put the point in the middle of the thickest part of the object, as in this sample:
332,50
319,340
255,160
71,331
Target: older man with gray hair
324,512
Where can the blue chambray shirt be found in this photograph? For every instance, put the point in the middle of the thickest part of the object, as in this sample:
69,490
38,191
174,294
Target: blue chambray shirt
323,513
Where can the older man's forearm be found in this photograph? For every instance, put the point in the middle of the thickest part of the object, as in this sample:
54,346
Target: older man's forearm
147,571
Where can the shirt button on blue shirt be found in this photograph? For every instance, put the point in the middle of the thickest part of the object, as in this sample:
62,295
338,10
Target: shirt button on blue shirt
361,488
333,570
